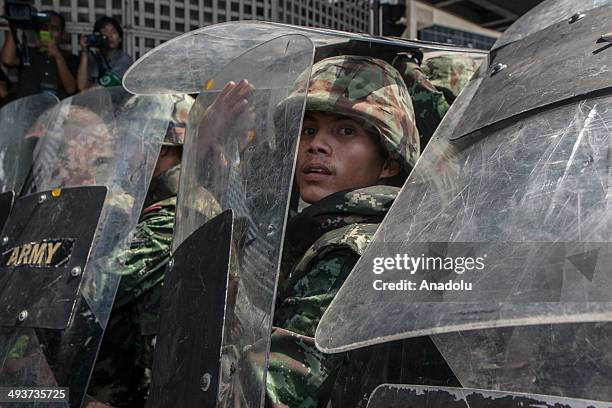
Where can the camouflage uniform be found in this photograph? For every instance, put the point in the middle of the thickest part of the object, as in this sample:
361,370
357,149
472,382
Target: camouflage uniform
429,103
434,86
324,241
450,73
122,374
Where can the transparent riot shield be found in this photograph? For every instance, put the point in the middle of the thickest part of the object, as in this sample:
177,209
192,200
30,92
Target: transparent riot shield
545,14
219,293
18,122
66,238
202,54
502,230
413,396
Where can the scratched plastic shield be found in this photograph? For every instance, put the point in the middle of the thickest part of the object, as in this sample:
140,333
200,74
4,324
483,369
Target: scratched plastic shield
100,137
527,189
412,396
18,121
242,161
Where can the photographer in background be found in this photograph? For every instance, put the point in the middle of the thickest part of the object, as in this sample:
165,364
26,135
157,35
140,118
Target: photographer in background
103,62
42,65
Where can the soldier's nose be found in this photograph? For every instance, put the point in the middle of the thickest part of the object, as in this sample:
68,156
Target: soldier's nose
319,143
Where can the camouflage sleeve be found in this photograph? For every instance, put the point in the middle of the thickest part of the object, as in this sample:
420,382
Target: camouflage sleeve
429,103
299,374
122,374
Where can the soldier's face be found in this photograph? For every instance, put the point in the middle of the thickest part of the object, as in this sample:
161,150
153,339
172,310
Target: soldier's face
336,153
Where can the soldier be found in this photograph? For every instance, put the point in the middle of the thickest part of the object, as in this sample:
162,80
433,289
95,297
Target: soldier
122,372
358,144
429,103
433,86
450,73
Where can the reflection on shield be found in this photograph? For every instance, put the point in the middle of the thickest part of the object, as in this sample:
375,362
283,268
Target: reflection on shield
19,124
238,159
409,396
521,184
65,246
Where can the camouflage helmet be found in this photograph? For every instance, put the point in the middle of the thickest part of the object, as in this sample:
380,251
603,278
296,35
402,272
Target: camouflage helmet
80,143
450,73
175,135
371,91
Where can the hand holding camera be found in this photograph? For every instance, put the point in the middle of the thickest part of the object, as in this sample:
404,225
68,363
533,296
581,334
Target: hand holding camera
48,44
96,41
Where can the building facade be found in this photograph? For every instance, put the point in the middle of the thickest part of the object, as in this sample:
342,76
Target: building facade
148,23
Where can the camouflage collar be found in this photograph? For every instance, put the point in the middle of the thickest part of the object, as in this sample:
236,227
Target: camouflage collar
163,186
365,205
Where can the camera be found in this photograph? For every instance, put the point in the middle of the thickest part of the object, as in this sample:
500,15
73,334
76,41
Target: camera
23,15
96,40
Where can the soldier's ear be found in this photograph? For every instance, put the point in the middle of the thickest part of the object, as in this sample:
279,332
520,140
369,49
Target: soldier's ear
390,168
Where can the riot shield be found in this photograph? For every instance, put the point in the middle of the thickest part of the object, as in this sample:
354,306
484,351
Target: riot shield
205,52
18,125
546,14
503,223
18,122
239,155
413,396
65,241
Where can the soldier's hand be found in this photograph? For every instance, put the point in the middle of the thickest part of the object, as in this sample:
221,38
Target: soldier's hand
226,111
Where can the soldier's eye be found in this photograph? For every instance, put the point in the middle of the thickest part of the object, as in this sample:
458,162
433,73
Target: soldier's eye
347,131
101,161
309,131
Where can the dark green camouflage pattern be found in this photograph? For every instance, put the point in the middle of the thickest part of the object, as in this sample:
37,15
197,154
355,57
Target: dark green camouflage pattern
324,242
369,90
122,374
429,103
450,73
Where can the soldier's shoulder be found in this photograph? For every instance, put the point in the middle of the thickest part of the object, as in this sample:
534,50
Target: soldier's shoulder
335,247
354,237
